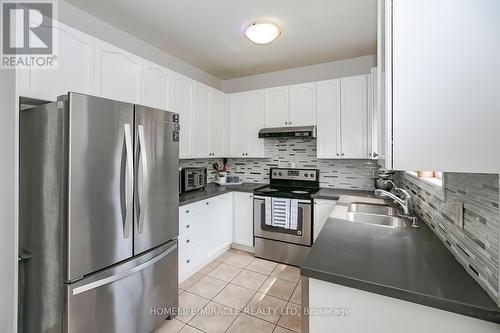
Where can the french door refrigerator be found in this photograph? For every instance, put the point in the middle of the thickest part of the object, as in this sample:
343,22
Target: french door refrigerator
98,216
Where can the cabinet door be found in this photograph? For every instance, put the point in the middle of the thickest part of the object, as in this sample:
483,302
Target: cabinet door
75,68
322,210
156,86
446,101
237,129
182,104
118,73
217,124
372,114
303,104
243,218
277,108
199,134
353,118
254,122
328,118
222,221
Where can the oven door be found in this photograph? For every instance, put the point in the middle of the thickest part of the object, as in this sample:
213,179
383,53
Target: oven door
303,234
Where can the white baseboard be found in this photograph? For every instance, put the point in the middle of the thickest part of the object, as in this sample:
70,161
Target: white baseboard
243,247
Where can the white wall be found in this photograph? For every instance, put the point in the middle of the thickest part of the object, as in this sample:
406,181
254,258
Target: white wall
8,202
325,71
91,25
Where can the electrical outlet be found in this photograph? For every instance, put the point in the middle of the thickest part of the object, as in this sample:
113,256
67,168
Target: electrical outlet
459,214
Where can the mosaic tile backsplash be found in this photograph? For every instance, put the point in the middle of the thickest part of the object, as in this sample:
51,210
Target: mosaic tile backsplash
300,153
475,245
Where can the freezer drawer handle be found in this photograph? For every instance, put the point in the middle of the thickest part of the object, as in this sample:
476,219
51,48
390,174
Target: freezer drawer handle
129,182
121,275
143,197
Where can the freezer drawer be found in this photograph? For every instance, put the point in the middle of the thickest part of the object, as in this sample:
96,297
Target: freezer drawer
133,297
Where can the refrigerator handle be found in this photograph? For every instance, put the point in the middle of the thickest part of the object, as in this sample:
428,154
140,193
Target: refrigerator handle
143,196
129,180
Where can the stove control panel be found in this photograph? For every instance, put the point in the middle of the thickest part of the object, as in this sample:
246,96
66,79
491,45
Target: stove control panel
294,174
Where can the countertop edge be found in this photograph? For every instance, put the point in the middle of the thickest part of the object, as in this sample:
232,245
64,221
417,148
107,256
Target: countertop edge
418,298
220,190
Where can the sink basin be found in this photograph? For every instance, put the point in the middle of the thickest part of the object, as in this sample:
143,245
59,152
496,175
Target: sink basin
370,208
381,220
376,214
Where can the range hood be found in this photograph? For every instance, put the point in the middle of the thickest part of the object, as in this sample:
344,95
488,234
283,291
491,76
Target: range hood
288,132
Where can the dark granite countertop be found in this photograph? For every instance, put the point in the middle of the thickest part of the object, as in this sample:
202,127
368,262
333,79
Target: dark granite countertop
213,190
404,263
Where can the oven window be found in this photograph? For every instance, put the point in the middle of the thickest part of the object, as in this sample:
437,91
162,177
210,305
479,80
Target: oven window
300,223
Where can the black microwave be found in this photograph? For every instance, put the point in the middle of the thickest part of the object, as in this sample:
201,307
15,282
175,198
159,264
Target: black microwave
192,179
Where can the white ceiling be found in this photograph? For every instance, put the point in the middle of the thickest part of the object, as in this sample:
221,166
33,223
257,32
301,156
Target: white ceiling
208,34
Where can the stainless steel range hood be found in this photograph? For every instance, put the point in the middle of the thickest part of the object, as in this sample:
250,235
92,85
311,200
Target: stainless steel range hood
288,132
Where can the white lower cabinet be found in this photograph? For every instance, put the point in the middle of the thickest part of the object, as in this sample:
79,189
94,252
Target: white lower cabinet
322,210
243,218
205,230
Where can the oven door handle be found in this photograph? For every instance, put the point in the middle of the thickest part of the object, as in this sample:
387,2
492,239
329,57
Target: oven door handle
303,201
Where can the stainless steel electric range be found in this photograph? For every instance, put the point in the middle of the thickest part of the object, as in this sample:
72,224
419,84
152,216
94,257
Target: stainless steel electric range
283,215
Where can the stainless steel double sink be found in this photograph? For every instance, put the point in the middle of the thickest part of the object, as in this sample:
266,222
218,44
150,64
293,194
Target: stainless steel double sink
377,214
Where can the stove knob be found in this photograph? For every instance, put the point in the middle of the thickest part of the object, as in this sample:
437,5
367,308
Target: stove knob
312,175
306,175
279,173
274,173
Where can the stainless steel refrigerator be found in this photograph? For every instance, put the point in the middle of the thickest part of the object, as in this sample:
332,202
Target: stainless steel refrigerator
98,216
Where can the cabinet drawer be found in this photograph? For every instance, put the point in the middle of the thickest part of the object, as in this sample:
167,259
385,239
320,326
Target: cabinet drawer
195,208
195,222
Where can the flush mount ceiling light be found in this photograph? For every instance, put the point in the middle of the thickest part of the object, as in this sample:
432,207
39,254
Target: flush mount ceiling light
262,32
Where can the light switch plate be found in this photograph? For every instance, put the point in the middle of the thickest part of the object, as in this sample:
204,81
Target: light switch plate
459,214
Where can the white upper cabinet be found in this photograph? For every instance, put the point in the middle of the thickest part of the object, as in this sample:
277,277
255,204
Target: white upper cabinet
199,126
156,82
75,69
217,123
246,118
353,117
302,104
254,122
328,117
118,73
237,128
373,115
182,103
277,107
445,84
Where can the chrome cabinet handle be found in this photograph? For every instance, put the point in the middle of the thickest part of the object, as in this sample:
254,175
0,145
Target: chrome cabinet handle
129,183
206,203
187,226
187,240
375,154
144,161
188,261
187,211
338,154
342,154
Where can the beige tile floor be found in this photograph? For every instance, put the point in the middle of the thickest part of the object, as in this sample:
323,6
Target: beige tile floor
238,293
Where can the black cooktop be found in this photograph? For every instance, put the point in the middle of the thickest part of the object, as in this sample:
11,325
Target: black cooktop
286,191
